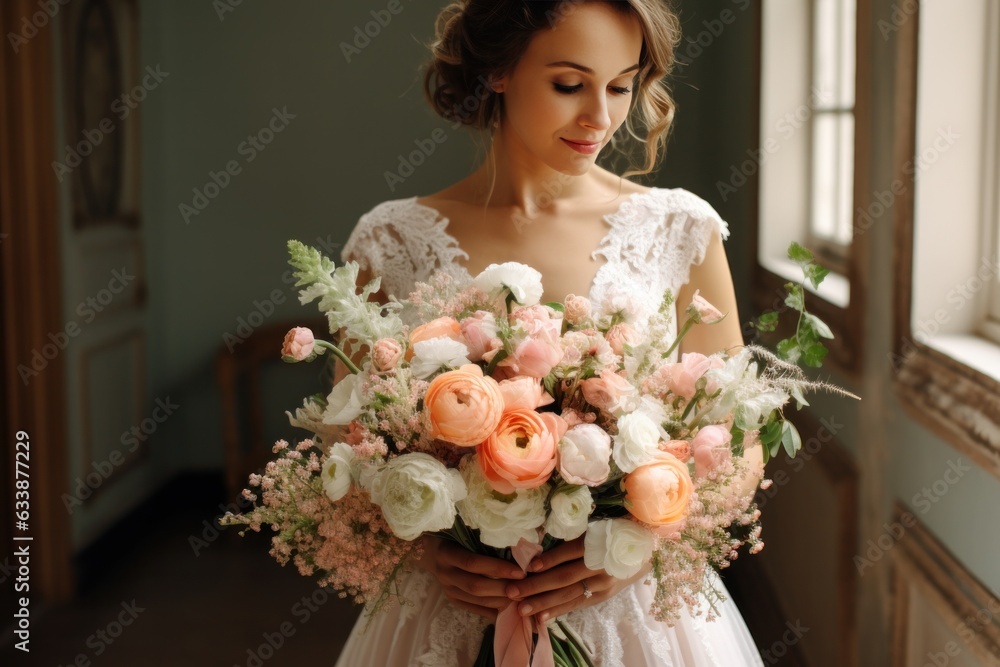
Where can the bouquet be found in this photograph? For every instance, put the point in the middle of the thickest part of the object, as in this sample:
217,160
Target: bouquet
480,415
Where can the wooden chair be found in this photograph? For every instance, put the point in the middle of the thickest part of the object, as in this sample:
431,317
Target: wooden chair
238,374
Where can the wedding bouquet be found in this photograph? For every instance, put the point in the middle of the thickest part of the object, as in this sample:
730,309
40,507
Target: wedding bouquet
478,414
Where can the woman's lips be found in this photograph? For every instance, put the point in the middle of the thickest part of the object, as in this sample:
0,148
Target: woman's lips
587,148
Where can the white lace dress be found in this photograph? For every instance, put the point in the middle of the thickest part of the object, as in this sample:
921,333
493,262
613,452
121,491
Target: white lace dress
652,241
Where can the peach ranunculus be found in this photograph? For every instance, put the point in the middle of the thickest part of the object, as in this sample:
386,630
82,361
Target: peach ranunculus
386,353
658,493
710,448
609,391
621,335
480,333
521,451
442,327
524,392
463,407
298,344
685,373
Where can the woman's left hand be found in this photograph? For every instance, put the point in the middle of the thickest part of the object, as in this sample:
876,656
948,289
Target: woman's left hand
555,583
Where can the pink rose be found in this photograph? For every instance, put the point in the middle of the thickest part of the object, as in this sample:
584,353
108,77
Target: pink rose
577,308
480,333
299,343
386,353
710,448
534,357
538,320
609,391
702,311
684,374
620,335
523,392
681,449
521,452
585,455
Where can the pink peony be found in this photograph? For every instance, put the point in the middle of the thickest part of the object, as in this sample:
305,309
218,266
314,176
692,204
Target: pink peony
534,357
299,343
710,448
585,455
480,333
681,449
684,374
577,308
609,391
620,335
386,353
538,320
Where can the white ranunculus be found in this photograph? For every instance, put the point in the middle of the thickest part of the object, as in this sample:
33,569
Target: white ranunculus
637,442
569,513
502,519
430,356
524,282
343,405
584,455
417,494
618,546
337,471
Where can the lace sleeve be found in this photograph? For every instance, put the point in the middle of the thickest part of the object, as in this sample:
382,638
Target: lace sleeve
690,225
378,246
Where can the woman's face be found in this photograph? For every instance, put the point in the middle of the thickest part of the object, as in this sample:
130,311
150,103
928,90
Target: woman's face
571,89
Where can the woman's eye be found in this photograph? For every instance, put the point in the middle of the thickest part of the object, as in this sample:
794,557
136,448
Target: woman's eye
567,89
621,90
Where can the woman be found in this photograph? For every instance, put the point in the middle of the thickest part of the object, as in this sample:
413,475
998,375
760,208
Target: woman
553,84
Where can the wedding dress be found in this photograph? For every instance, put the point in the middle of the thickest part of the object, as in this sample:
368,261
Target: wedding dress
652,241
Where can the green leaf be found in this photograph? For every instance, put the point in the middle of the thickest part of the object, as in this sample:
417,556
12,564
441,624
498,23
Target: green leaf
799,254
770,433
814,355
795,298
556,306
800,400
817,325
790,438
816,273
789,350
767,321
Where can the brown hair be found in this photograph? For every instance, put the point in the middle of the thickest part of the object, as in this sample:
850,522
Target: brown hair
481,40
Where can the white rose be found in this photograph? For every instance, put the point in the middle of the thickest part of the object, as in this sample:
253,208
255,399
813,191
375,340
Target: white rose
584,455
618,546
637,441
417,494
337,471
524,282
502,520
570,513
430,356
343,405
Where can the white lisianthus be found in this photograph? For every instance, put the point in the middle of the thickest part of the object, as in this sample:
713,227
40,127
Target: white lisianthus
417,494
569,513
337,471
344,404
618,546
637,441
430,356
502,519
524,282
584,455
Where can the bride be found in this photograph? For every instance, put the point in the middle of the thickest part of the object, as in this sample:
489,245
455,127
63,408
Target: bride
553,85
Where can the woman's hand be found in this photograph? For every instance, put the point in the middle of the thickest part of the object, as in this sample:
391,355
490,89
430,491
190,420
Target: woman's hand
470,581
555,585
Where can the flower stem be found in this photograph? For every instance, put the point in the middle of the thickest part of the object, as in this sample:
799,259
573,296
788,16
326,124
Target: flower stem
683,332
340,355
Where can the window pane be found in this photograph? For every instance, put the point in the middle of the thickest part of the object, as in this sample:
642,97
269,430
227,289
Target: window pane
824,175
845,209
825,56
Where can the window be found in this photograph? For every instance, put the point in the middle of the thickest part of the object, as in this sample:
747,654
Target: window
814,112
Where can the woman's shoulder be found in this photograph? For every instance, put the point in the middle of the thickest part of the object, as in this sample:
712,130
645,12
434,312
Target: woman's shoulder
386,222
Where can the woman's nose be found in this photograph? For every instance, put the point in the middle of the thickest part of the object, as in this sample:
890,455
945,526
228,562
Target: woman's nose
595,114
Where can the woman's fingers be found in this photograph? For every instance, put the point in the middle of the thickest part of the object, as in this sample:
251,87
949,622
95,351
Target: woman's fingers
462,559
565,552
475,585
561,576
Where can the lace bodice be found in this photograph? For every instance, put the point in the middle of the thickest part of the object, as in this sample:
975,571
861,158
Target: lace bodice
666,229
